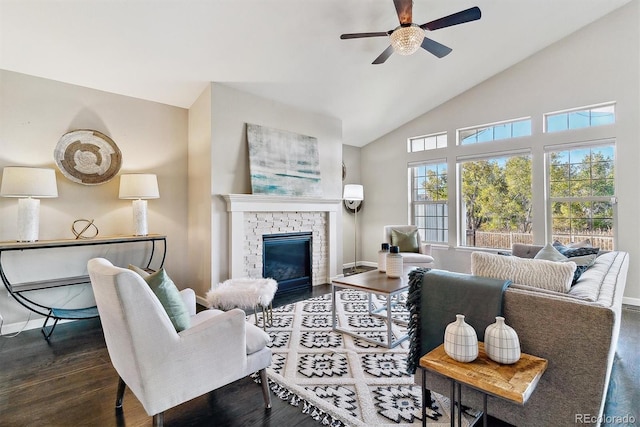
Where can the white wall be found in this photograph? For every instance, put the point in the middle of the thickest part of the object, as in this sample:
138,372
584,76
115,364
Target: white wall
199,230
35,113
597,64
231,109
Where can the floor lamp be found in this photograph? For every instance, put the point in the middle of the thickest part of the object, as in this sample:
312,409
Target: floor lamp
353,196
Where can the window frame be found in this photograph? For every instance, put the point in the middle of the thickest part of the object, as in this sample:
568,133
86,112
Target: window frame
589,108
549,200
444,231
493,126
436,136
461,213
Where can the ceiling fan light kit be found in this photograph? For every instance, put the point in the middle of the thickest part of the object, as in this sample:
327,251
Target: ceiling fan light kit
407,40
409,37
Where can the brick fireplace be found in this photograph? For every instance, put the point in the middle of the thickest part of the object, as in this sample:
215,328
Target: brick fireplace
252,216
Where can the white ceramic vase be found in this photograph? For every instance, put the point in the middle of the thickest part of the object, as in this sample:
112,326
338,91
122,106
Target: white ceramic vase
501,342
461,340
382,258
394,263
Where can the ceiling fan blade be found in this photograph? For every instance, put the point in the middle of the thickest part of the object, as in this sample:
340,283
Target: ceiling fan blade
361,35
404,10
384,55
436,48
468,15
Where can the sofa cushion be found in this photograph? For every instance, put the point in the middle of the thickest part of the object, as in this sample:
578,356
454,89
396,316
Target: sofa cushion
550,253
411,258
588,287
525,251
543,274
407,241
570,252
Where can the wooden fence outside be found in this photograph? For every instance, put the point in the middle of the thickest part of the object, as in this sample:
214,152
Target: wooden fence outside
498,240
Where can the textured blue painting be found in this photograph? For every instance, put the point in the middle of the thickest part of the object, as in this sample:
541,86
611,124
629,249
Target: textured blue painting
283,163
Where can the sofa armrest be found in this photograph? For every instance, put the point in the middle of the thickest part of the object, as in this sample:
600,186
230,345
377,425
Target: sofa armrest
424,248
189,298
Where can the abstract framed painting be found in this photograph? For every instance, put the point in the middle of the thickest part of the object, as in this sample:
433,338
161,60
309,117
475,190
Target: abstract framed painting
283,163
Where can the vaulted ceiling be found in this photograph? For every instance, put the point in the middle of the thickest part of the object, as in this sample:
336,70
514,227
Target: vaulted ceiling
286,50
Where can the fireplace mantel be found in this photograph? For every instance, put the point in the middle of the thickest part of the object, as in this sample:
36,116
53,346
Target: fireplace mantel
267,203
240,204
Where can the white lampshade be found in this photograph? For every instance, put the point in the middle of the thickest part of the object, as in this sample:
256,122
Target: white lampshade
20,181
28,183
139,186
353,192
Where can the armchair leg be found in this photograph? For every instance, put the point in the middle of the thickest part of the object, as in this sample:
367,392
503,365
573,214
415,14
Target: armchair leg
265,388
120,393
158,419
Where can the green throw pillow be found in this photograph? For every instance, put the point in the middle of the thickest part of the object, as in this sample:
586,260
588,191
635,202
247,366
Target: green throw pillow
407,241
169,296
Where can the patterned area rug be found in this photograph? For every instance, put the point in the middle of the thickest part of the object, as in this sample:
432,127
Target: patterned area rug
340,380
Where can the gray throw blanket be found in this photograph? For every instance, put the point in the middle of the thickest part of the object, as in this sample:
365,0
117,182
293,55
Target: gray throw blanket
436,296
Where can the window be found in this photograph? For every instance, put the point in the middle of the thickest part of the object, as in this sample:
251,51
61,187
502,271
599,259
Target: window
582,194
495,198
494,132
429,195
427,142
580,118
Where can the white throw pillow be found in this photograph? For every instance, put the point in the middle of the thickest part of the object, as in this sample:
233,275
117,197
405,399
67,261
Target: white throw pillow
550,253
543,274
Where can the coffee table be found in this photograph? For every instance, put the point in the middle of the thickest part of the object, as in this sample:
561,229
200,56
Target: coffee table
373,282
513,382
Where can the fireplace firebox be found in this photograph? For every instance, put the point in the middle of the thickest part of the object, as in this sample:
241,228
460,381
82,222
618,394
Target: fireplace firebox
286,258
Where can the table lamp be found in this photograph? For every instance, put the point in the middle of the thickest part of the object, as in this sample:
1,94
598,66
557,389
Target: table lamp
139,187
27,183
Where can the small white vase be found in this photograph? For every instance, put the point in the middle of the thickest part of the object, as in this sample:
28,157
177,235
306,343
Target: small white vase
461,340
394,264
501,342
382,258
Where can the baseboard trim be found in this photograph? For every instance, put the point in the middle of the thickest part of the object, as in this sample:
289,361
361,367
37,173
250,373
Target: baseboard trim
202,301
12,328
360,263
631,301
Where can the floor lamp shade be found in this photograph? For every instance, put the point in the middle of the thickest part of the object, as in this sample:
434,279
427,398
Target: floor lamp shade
354,193
27,184
139,187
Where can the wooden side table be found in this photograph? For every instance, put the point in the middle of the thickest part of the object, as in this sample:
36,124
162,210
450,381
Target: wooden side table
513,382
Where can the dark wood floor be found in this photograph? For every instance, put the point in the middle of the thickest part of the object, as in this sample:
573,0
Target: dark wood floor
70,382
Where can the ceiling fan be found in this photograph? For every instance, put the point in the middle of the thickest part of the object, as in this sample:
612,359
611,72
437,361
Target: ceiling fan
408,37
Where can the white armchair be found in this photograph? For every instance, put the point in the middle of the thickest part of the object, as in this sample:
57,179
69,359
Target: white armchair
162,367
422,258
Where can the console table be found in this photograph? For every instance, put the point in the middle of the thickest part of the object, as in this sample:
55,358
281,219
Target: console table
21,291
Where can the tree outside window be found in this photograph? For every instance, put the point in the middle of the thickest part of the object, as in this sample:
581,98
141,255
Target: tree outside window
429,201
496,201
581,195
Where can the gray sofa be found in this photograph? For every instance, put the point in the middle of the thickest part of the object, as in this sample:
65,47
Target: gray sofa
576,332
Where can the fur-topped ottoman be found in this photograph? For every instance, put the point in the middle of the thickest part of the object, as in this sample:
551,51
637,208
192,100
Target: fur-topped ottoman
245,293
